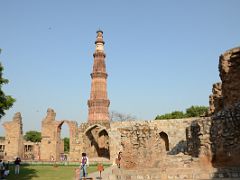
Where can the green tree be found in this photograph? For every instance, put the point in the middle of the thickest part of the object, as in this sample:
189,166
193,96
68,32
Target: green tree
172,115
193,111
33,136
2,138
196,111
6,101
66,144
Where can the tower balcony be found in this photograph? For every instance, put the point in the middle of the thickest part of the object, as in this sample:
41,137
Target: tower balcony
99,75
98,102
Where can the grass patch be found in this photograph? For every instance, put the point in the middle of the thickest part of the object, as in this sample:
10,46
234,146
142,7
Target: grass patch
29,172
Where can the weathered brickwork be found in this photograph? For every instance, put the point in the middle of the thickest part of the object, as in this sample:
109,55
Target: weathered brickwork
95,139
148,141
13,137
225,137
229,68
31,150
216,99
51,143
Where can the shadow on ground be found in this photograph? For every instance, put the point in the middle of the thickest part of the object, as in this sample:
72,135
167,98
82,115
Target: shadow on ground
26,173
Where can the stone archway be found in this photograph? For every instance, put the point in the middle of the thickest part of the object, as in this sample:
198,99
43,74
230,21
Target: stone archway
97,143
164,138
51,138
60,143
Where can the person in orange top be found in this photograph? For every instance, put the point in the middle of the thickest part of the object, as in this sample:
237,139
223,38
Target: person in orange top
100,169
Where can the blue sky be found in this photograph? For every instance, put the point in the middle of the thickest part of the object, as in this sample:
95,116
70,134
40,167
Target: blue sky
161,55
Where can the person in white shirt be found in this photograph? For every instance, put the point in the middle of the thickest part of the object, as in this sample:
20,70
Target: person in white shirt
84,165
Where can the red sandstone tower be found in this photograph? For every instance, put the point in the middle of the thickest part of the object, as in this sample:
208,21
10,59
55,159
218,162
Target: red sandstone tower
98,103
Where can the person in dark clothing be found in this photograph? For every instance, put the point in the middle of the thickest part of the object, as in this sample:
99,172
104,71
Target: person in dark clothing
119,159
1,169
17,165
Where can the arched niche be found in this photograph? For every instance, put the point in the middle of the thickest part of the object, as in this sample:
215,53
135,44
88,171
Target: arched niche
164,137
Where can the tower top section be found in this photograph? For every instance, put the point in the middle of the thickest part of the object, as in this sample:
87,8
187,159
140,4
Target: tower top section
98,103
99,42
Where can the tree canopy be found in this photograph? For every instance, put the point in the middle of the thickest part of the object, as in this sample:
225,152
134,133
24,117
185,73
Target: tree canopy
33,136
6,101
193,111
66,144
196,111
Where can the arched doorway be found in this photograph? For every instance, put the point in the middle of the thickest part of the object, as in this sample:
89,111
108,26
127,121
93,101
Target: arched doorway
97,142
164,137
71,127
63,141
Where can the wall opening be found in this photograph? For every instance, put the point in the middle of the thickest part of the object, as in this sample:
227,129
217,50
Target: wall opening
63,141
164,137
98,142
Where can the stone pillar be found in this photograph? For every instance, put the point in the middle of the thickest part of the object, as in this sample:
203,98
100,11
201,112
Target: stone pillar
49,137
98,103
14,137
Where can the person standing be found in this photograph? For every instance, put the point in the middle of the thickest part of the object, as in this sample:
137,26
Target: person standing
83,166
119,159
7,171
100,169
17,165
1,169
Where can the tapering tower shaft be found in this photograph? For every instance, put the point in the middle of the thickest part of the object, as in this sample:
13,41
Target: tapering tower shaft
98,103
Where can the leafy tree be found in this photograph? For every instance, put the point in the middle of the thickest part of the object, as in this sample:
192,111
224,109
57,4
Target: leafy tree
196,111
2,138
66,144
6,102
172,115
193,111
33,136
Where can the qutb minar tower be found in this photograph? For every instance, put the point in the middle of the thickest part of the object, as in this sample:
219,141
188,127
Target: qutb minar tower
98,103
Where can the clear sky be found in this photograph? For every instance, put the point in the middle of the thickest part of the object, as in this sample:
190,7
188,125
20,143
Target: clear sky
161,55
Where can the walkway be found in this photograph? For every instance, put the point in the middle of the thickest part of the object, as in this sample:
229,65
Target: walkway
105,173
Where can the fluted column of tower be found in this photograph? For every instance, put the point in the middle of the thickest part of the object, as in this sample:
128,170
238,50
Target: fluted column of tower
98,103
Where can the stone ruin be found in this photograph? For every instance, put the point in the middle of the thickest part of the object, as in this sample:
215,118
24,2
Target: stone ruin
215,99
193,148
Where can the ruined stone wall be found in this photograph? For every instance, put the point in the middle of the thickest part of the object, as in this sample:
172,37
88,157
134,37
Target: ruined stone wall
225,137
216,99
73,141
225,128
51,143
198,141
48,142
229,68
148,141
13,137
215,141
31,150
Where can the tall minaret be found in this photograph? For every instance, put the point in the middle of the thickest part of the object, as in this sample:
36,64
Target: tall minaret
98,103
